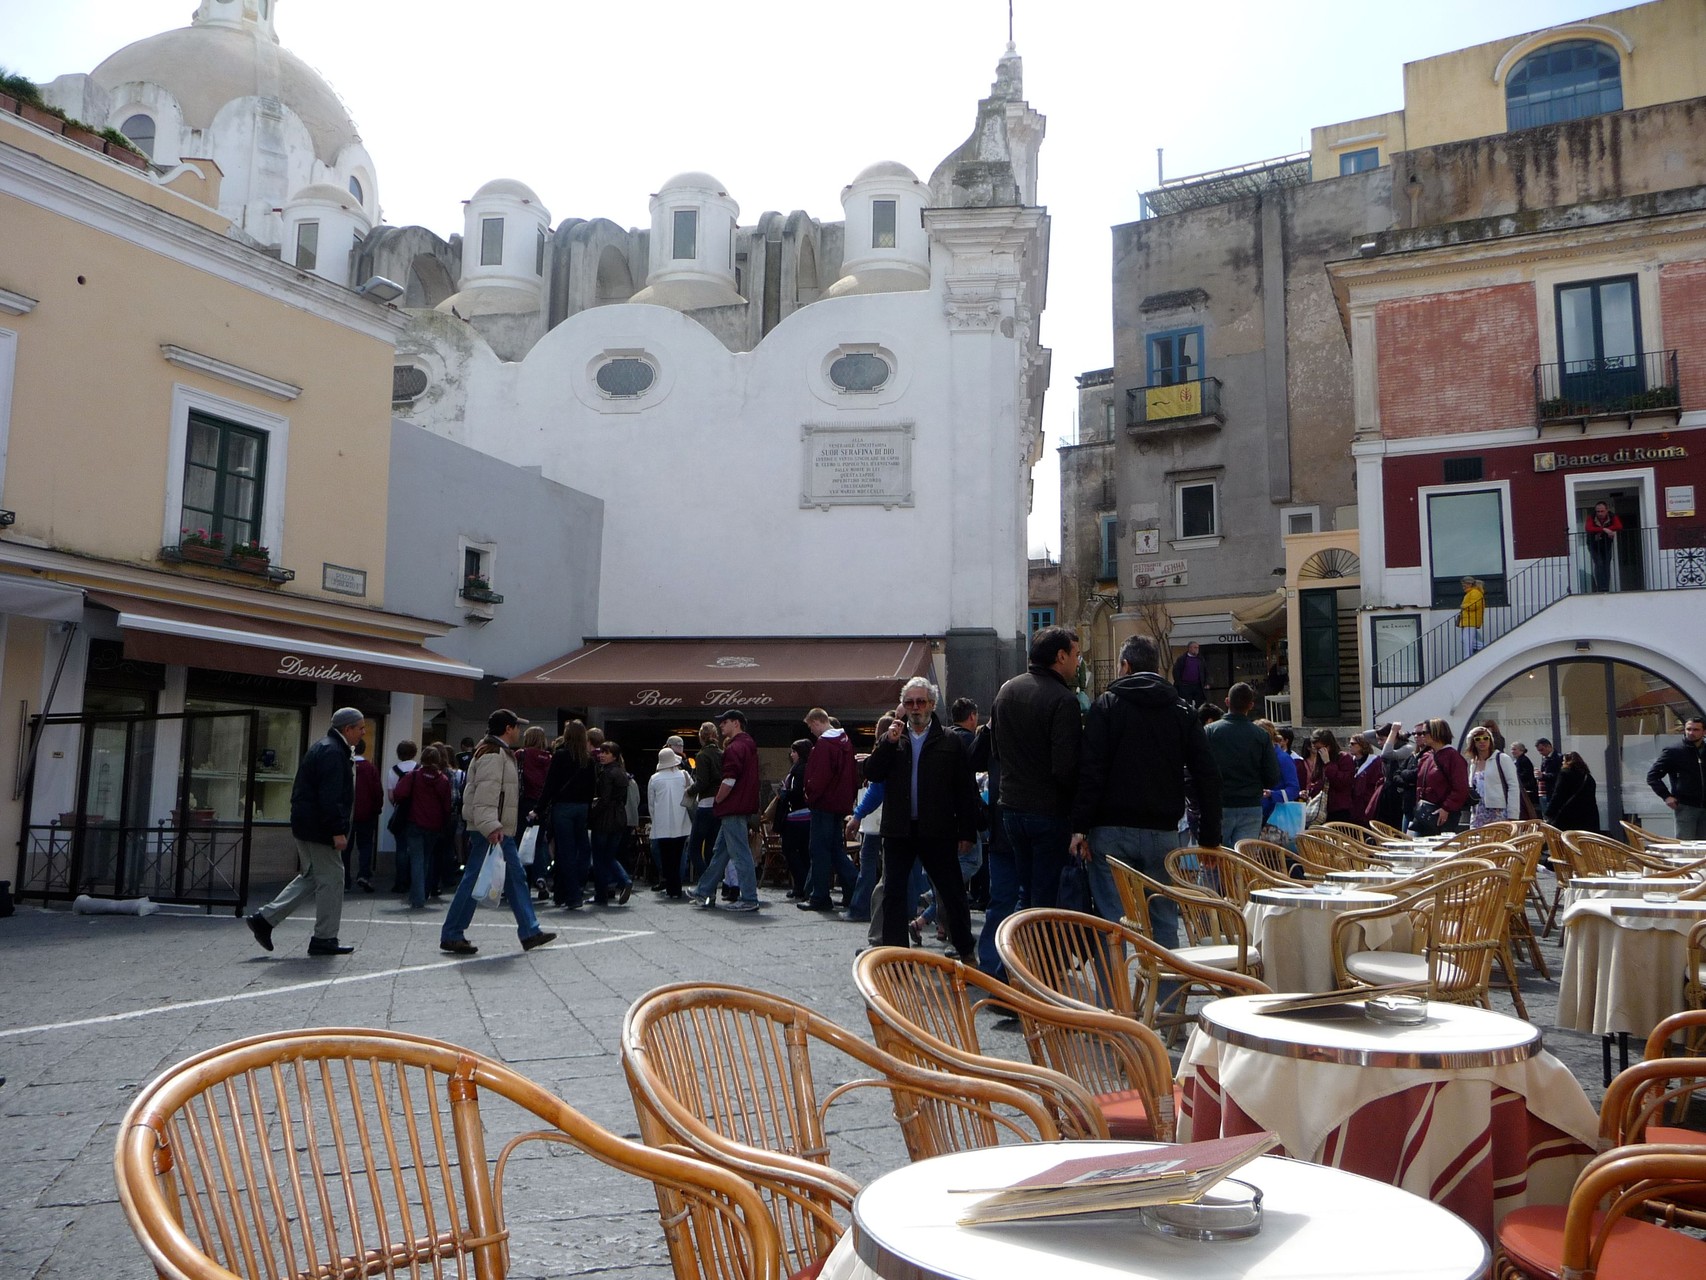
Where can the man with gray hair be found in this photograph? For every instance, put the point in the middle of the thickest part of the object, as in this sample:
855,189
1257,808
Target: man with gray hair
1144,748
930,815
322,807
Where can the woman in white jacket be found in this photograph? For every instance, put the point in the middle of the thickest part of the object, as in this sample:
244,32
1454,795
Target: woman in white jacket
1492,778
670,820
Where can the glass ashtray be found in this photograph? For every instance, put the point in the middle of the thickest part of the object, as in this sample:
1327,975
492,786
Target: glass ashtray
1230,1210
1659,895
1403,1011
1327,886
1626,875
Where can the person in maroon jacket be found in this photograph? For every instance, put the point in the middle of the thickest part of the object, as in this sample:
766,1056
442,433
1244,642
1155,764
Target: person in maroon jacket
832,784
369,800
1442,778
426,791
1365,754
1332,771
736,801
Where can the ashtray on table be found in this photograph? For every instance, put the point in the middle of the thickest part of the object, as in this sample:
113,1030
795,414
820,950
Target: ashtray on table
1229,1210
1659,895
1402,1011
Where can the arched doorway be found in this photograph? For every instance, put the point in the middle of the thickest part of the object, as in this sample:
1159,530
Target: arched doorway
1616,714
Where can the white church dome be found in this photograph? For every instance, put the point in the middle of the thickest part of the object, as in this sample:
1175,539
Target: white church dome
885,169
507,187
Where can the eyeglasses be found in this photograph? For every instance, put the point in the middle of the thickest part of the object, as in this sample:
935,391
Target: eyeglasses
915,702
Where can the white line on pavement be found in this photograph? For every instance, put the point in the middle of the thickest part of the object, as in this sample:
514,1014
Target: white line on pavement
299,986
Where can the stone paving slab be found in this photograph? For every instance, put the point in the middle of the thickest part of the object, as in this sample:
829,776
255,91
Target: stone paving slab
93,1006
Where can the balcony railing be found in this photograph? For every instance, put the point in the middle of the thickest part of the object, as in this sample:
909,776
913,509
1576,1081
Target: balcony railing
1178,404
1609,387
1636,560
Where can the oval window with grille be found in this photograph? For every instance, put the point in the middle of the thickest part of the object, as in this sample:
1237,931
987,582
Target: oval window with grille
625,377
407,383
860,371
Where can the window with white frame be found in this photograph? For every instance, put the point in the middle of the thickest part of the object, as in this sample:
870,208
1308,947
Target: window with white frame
226,469
882,224
1110,548
141,131
1466,539
1299,520
491,242
307,245
475,581
1196,508
539,254
684,238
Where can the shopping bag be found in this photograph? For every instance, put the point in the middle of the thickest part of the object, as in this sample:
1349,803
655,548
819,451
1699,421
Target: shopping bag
1287,817
489,884
529,846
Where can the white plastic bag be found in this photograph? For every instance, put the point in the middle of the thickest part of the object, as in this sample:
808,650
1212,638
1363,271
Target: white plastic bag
529,846
489,884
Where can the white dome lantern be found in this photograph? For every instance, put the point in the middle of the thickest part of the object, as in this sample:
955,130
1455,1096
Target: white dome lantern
237,13
692,245
888,250
504,243
322,224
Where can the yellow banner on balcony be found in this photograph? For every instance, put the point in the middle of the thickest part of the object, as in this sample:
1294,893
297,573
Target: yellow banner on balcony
1181,400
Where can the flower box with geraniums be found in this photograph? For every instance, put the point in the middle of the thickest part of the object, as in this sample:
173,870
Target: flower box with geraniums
250,557
202,547
476,588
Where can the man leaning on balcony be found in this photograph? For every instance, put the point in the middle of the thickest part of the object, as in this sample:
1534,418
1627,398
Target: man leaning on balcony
1678,777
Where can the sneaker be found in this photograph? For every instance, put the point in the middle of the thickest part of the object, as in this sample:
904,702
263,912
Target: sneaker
458,947
915,930
624,893
743,905
261,929
364,884
708,903
815,904
853,919
730,894
537,940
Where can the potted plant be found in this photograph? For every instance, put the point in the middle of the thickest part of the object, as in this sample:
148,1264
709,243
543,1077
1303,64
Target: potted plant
475,587
83,135
201,546
14,89
122,149
251,556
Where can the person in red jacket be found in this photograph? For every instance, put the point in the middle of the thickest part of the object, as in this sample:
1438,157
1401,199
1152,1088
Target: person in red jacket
736,800
426,792
1365,754
1332,771
1442,778
832,783
369,800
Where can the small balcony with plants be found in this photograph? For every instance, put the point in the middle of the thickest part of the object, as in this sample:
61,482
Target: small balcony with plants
1576,392
1175,406
210,547
477,589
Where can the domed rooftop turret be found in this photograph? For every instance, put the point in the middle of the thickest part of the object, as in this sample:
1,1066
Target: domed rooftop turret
507,187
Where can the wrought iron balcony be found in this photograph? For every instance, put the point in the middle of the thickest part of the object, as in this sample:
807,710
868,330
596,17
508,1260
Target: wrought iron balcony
1610,387
1178,404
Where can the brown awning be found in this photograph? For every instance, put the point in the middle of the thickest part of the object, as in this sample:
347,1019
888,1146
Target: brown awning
678,675
156,631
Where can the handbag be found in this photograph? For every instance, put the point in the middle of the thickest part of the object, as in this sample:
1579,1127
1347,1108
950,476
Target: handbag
1425,821
1315,812
529,847
398,823
1074,891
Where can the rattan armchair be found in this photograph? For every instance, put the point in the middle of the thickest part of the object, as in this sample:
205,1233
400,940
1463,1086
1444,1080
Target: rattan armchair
733,1075
1596,1236
1319,847
1085,962
1212,931
1459,924
1103,1074
1385,830
1221,871
1472,837
346,1152
1350,830
1273,858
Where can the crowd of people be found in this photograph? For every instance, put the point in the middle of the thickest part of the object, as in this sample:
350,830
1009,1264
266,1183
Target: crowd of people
1024,810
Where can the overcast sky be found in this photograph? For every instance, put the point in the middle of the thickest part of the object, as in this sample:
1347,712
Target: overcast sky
594,105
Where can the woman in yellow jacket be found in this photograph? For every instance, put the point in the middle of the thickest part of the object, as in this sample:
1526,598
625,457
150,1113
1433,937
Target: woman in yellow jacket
1470,614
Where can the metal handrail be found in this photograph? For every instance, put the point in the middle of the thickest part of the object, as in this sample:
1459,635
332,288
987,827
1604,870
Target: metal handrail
1607,386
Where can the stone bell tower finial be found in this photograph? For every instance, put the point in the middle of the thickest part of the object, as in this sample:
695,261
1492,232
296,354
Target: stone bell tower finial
238,14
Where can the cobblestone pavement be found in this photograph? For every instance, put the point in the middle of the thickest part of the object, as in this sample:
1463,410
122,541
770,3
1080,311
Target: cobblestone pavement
91,1007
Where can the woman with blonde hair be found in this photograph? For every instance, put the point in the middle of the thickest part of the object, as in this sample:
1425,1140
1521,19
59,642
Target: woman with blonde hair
1492,778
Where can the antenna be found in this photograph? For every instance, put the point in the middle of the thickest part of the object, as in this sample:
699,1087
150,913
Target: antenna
1009,21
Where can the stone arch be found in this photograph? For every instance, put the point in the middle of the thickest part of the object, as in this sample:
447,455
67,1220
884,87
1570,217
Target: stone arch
806,286
429,283
614,282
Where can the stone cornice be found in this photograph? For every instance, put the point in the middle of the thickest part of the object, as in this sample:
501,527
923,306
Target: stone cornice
16,304
236,375
38,182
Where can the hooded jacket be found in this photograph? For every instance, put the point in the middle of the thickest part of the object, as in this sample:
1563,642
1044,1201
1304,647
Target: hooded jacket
1141,741
832,781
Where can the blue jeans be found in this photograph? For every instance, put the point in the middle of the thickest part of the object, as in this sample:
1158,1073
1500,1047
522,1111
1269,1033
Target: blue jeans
366,840
515,893
1142,850
701,844
1239,822
608,874
829,852
574,853
418,845
1040,844
732,848
870,867
1009,891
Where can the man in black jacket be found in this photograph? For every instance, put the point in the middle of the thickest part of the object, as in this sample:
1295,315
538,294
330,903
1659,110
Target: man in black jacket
1143,746
322,804
930,812
1684,767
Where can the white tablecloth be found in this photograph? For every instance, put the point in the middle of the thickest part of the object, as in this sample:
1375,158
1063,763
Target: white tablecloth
1296,937
1481,1140
1624,965
1317,1222
1584,887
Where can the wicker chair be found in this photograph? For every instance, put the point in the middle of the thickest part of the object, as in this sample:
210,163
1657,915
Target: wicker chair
1492,833
347,1152
1273,858
1085,962
1211,928
1581,1242
1103,1074
1639,837
1328,849
732,1075
1385,830
1350,830
1222,871
1460,923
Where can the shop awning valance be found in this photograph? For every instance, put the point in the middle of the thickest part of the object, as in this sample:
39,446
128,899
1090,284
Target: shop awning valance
706,675
158,631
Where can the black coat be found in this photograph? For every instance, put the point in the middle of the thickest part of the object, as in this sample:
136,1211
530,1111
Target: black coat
322,799
948,803
1141,742
1525,781
610,798
1684,768
1574,805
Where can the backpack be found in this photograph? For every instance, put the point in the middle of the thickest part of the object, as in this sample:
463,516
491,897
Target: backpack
398,824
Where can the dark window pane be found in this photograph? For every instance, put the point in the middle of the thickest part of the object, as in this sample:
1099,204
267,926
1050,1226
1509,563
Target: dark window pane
1196,511
625,377
140,130
1359,161
882,224
1564,81
355,188
307,245
224,479
686,234
859,371
491,242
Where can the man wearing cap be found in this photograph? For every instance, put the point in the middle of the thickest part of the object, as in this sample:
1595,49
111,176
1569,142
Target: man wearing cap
322,802
736,801
491,805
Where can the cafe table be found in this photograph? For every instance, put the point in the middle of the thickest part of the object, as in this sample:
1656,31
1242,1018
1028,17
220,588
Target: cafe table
1623,885
1625,961
1293,927
1316,1222
1465,1108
